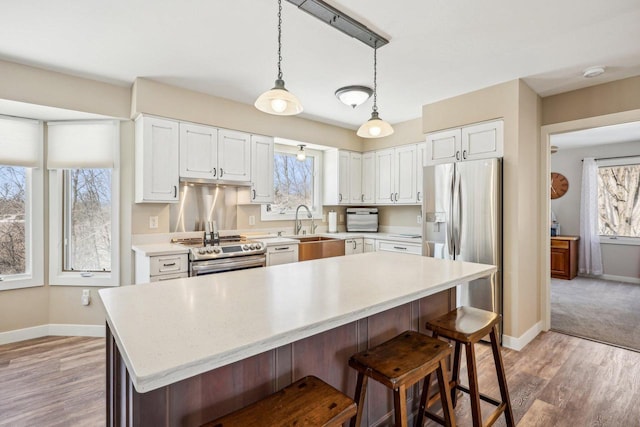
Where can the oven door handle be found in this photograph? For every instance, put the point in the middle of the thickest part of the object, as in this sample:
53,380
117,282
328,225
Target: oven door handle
235,264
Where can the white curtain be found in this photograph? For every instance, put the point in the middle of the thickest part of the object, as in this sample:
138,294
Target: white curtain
590,255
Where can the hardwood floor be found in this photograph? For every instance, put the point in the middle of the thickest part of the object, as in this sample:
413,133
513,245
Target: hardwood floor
557,380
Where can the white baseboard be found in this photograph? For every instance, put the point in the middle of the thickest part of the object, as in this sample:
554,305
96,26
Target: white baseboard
617,278
518,343
52,329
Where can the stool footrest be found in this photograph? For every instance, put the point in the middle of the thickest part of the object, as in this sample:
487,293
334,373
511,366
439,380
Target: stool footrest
482,396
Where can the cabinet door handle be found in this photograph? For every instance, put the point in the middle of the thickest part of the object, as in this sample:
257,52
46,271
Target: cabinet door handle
418,196
221,172
396,197
175,191
214,171
464,154
391,197
171,264
457,155
339,197
254,194
362,197
281,249
354,245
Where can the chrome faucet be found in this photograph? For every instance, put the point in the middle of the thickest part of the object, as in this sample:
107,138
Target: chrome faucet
298,223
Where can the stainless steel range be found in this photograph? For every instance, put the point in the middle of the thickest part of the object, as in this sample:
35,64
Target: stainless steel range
228,253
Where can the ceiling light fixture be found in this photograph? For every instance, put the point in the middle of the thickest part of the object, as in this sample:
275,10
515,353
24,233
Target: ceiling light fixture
375,127
353,95
592,72
301,155
278,100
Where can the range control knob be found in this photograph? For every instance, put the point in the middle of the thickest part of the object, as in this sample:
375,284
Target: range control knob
245,247
201,251
209,250
216,250
258,246
253,246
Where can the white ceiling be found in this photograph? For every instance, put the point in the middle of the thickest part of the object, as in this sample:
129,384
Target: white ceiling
437,49
614,134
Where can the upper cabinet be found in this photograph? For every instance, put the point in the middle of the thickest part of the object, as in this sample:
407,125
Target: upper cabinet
156,165
261,169
369,178
396,175
479,141
421,162
342,177
210,153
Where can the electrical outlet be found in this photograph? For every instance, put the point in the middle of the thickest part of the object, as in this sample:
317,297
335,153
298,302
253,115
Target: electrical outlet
419,219
153,222
86,297
252,220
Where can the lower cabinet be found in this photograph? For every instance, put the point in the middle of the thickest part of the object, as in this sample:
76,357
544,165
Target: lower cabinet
564,257
157,268
369,245
282,254
354,246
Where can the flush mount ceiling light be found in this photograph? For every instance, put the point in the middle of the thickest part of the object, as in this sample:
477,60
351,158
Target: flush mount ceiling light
592,72
278,100
353,95
301,155
375,127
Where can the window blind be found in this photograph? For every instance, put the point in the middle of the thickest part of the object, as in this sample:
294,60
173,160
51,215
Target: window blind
20,142
78,145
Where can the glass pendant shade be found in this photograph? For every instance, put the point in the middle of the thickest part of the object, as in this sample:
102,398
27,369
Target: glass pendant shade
353,95
375,127
279,101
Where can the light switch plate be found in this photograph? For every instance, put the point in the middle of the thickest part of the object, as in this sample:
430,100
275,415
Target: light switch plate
252,220
153,222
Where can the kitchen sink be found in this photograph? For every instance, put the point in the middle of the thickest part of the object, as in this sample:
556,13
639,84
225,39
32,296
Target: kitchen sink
316,247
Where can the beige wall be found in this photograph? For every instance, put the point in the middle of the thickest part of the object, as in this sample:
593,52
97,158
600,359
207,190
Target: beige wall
600,100
408,132
519,107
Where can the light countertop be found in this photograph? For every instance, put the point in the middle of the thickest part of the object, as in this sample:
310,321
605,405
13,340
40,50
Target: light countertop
173,330
160,249
565,237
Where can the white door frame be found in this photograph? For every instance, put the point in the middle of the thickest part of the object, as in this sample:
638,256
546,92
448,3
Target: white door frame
545,167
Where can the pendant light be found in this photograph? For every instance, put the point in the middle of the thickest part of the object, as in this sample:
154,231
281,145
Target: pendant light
301,155
278,100
375,127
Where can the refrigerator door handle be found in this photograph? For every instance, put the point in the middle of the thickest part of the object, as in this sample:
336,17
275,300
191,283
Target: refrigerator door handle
460,210
451,218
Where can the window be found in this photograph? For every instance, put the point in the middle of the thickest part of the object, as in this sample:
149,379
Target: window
619,198
21,253
295,183
87,220
83,203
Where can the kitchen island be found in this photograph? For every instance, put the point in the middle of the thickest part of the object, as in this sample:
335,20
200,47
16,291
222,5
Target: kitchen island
185,351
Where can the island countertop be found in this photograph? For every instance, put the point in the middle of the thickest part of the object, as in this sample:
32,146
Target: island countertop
172,330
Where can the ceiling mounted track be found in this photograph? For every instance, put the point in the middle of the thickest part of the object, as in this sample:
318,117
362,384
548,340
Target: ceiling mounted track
341,21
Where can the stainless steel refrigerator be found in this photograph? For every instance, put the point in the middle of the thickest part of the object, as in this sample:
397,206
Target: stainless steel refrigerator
462,212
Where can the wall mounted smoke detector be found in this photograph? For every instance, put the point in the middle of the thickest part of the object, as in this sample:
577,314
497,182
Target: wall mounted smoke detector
592,72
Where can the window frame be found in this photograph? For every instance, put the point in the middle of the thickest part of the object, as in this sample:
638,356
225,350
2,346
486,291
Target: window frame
34,220
317,185
621,161
57,275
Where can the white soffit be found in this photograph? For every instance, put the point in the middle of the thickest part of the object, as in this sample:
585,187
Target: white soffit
614,134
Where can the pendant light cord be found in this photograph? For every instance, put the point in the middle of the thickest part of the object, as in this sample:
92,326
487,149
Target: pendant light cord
279,39
375,78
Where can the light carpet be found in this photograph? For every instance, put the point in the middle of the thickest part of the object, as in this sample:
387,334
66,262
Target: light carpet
600,310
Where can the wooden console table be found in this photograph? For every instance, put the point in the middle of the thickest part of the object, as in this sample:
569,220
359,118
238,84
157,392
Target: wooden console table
564,257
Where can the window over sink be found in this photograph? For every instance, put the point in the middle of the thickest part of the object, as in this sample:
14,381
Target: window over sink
295,182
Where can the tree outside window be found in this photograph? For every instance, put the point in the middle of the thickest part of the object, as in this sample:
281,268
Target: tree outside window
13,185
293,182
619,200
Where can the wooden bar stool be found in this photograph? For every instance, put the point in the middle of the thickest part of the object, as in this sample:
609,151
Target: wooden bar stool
307,402
400,363
467,325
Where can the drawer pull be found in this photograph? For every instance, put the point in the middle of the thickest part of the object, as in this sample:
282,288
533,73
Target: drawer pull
169,265
281,249
400,248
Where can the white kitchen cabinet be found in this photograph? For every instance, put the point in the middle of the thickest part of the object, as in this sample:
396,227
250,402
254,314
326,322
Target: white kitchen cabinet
354,246
478,141
400,247
156,160
342,177
421,162
261,169
198,151
369,178
214,154
157,268
282,254
369,245
234,156
396,175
